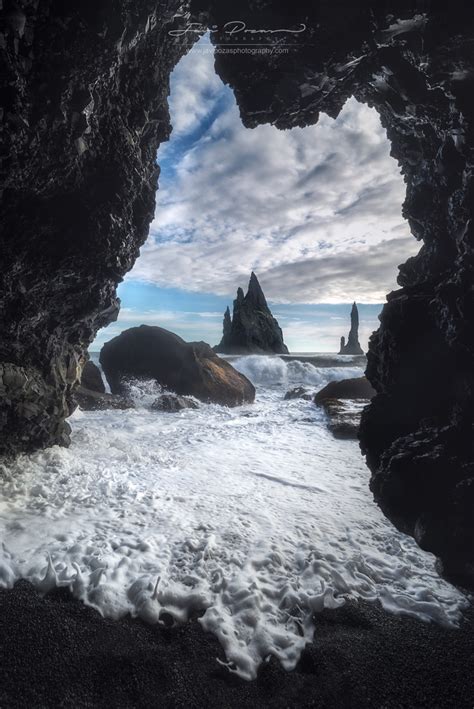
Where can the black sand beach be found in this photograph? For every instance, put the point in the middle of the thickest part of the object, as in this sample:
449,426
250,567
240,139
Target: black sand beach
56,652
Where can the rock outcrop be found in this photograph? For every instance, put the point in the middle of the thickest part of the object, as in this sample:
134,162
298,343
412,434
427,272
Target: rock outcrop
171,403
356,388
90,395
252,329
185,368
298,393
352,347
343,401
90,400
83,110
91,378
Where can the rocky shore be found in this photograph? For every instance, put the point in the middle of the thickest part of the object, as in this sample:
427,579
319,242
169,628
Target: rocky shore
56,652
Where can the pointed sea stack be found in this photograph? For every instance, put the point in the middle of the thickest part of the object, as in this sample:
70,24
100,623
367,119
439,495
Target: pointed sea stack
352,347
252,329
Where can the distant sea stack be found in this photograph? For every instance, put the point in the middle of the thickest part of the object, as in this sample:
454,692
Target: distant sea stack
252,328
352,347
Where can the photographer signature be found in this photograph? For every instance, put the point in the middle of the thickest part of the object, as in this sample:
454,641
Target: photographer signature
232,28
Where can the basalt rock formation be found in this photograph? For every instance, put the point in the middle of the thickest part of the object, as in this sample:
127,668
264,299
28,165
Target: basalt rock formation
83,110
298,393
357,388
171,403
92,378
343,401
191,368
252,329
352,347
90,400
90,395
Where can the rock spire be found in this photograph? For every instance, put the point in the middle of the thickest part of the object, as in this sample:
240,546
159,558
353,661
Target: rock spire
252,327
353,346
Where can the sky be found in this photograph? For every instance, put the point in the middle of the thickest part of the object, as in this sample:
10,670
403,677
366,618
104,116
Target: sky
315,212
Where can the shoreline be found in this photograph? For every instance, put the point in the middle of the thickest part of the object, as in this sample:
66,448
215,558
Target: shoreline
55,651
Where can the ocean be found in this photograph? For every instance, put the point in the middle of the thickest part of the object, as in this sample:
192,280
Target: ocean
254,518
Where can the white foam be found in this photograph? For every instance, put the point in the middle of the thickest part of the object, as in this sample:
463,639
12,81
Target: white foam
255,516
277,372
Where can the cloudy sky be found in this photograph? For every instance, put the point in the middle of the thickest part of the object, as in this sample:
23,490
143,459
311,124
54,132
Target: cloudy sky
315,212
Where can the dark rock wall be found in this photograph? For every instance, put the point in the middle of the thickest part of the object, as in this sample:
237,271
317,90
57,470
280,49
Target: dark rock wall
83,111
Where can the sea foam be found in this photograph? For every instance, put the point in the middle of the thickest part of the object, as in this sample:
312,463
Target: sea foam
254,517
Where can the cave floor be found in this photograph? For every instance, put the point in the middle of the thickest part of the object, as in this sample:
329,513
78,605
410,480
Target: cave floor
56,652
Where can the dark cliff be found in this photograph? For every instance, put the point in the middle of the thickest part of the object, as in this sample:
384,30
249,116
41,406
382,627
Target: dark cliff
83,110
252,328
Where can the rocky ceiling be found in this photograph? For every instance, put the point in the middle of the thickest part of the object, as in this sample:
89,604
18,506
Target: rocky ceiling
83,110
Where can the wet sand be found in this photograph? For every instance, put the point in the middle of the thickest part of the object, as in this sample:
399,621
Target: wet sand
56,652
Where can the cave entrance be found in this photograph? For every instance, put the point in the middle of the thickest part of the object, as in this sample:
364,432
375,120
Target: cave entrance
315,212
253,516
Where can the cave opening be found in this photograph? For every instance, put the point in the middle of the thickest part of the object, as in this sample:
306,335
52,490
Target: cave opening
316,212
170,545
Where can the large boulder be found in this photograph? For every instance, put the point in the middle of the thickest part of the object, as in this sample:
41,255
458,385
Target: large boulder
171,403
186,368
356,388
343,402
344,416
90,400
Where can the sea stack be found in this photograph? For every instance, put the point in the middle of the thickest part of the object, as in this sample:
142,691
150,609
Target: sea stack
252,329
352,347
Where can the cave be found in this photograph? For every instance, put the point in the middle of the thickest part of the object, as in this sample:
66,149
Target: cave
84,109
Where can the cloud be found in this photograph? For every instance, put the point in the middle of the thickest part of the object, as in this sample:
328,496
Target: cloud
196,89
316,211
361,274
189,325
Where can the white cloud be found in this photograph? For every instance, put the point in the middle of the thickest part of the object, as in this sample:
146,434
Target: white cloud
316,212
196,87
189,325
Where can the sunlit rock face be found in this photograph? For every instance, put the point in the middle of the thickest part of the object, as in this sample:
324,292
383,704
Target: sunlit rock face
414,63
84,109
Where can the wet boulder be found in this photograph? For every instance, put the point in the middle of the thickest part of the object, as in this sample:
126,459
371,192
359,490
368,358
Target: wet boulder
343,402
298,393
356,388
344,416
171,403
92,378
90,400
185,368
